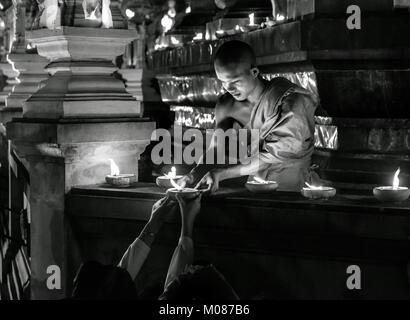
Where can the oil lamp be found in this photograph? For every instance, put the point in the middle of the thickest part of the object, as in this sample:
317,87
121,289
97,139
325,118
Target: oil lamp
165,180
219,33
187,193
280,17
198,36
175,41
129,13
252,19
259,185
119,180
318,192
251,26
392,193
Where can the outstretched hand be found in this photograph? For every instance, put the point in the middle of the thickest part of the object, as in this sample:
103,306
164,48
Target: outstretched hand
161,209
210,180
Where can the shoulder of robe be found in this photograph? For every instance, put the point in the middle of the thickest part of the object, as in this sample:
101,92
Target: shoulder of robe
276,90
300,101
290,95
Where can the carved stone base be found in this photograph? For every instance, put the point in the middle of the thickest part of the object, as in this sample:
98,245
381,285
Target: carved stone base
82,82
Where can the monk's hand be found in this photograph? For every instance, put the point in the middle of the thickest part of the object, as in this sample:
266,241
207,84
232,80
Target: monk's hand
210,181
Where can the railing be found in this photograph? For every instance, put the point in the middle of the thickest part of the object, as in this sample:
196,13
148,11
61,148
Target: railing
14,231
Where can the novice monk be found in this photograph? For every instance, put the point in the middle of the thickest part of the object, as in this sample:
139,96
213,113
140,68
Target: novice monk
282,112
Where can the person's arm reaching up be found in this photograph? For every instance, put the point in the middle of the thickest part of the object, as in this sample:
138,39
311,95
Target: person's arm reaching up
184,252
138,251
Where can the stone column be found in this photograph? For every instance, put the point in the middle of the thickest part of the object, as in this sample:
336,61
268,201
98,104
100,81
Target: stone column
138,78
8,70
31,71
141,83
11,74
79,119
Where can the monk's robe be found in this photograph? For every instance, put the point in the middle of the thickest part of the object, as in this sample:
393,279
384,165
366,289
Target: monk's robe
284,116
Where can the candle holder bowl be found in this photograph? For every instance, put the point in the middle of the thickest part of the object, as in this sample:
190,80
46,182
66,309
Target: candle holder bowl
249,28
121,180
257,187
323,193
165,182
187,193
388,194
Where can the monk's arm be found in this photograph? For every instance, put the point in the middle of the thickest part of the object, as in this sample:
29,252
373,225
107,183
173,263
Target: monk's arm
223,122
287,138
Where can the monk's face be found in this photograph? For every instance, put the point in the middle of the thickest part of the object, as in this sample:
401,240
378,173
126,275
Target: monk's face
237,79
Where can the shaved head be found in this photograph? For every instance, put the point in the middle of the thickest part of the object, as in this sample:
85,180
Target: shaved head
235,67
234,53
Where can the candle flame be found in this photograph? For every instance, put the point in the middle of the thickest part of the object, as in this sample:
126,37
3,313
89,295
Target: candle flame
280,17
129,13
172,174
166,23
259,180
174,40
115,171
313,187
198,36
396,180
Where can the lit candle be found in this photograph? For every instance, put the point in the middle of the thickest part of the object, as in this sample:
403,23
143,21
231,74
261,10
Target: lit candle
198,36
167,23
174,41
393,193
252,19
259,185
219,33
184,192
166,180
280,17
119,180
129,13
318,192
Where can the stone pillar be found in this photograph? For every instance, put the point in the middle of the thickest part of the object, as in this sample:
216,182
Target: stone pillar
11,73
79,119
31,74
141,83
